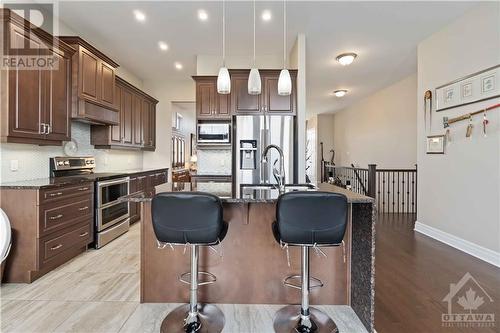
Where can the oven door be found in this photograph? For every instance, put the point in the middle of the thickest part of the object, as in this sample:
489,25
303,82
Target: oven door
108,192
111,214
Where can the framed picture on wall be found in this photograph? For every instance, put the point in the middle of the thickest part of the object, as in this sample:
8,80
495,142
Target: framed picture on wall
435,144
476,87
192,150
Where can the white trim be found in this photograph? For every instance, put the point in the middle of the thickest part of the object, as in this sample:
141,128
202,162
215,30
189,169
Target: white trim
463,245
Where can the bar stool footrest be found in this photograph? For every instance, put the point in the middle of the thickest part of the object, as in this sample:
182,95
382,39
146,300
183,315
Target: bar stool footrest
209,278
290,281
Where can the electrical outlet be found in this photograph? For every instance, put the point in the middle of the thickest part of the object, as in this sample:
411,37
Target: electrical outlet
14,165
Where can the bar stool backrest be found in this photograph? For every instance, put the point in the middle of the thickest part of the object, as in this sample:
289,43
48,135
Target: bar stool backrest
187,217
309,218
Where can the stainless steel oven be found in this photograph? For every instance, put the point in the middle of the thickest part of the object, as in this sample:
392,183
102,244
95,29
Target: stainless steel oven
214,133
112,215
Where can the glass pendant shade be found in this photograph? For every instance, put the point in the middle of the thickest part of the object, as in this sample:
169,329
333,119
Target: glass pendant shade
284,83
223,81
254,83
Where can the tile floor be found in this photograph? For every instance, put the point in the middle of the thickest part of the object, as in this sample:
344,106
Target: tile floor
98,291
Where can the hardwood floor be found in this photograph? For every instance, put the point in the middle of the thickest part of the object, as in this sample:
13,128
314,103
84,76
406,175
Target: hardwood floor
413,274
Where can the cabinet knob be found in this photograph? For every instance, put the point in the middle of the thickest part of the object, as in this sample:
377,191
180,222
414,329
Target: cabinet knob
84,234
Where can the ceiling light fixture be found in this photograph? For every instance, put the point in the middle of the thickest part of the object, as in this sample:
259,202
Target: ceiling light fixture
266,15
202,15
284,81
254,83
139,16
346,58
223,79
340,93
178,65
163,46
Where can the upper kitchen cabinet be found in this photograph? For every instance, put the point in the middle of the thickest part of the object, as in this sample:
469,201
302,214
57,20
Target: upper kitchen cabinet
137,121
35,103
268,101
94,99
210,104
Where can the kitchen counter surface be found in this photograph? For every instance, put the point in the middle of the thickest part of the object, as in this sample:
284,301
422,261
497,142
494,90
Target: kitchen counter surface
252,195
42,183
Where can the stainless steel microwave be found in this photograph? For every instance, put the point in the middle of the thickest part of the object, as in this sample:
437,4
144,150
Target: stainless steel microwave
216,133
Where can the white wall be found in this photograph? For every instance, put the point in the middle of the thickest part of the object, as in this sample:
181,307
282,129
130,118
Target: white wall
325,123
459,192
380,129
210,64
33,160
166,92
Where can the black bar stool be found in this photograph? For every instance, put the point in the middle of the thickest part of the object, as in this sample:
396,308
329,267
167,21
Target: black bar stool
191,219
308,219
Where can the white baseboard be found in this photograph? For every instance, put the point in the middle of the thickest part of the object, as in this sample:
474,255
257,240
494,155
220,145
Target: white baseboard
463,245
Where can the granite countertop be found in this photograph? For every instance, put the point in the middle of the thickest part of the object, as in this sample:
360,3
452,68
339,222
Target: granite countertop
42,183
251,195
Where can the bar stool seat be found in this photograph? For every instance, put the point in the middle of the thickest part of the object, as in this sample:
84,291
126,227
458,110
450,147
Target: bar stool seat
191,219
308,219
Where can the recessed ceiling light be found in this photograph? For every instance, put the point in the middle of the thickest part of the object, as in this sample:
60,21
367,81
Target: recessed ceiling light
340,92
139,16
266,15
178,65
163,46
346,58
202,15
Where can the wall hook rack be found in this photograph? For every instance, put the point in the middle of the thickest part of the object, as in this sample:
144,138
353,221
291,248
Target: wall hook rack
447,121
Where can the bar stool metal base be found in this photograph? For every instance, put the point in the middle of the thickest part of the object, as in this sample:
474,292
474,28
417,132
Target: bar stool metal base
211,318
287,320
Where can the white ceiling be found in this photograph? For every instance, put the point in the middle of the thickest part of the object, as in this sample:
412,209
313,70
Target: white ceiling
384,34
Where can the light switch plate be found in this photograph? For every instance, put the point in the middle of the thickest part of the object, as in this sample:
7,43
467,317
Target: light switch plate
14,165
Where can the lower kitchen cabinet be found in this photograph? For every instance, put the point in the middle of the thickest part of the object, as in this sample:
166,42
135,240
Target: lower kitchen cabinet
49,227
144,182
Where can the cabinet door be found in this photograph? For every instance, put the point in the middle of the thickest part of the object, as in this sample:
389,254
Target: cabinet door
275,103
137,120
126,116
241,101
57,89
205,99
145,123
223,109
26,111
116,130
152,125
107,84
89,75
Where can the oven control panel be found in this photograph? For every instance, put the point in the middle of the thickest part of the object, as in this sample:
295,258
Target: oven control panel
72,163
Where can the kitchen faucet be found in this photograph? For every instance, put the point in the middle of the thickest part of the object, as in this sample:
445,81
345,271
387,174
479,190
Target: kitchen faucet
281,175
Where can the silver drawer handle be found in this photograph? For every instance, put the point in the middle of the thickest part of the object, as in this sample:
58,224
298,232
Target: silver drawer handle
83,208
84,234
83,189
55,194
56,217
56,247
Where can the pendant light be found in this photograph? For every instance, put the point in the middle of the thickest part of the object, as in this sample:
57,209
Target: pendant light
284,81
223,80
254,83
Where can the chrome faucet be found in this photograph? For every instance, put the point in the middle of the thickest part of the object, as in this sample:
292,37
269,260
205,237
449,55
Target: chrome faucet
281,175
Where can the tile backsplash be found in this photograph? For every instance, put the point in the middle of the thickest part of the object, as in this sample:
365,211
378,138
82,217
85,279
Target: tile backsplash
33,161
214,161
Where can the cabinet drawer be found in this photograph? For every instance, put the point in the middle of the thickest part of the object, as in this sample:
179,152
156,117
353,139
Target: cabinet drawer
141,183
55,216
52,246
50,195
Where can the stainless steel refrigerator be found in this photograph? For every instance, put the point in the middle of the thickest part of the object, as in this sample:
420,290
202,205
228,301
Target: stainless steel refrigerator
252,135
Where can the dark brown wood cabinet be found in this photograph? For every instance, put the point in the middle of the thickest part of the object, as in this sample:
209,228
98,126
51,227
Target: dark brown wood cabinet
35,103
269,101
209,103
93,76
144,182
137,121
52,226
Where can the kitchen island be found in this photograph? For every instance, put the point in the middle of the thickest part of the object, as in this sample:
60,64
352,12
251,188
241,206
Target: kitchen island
253,265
